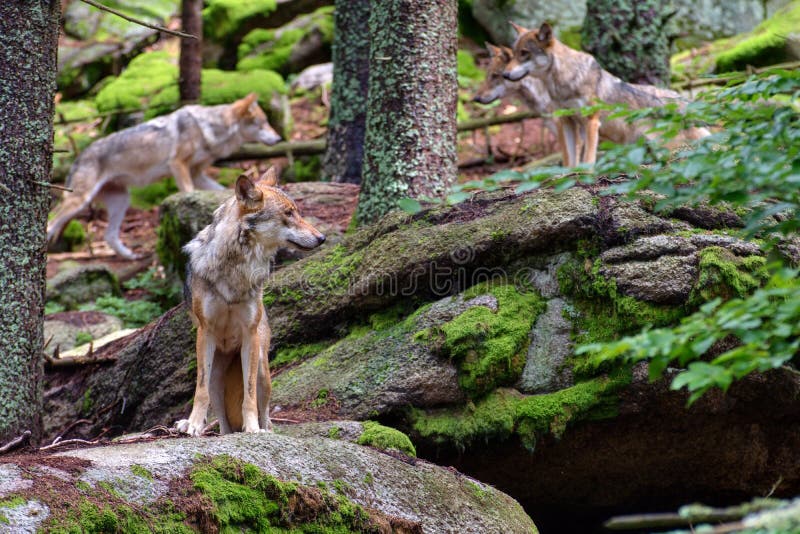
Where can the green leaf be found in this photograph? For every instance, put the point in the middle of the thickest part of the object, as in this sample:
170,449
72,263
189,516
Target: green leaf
409,205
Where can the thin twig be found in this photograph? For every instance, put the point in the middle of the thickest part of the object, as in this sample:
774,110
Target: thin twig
15,442
68,442
71,426
139,22
54,186
283,420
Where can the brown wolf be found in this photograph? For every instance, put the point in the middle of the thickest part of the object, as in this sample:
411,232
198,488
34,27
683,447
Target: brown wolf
184,144
228,266
574,79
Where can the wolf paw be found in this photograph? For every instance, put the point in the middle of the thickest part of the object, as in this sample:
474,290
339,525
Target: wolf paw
185,426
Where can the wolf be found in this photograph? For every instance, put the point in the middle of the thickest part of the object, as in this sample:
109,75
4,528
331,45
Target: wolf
575,79
182,144
228,266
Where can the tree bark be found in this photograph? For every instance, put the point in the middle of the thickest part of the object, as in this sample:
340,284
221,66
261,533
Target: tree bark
630,38
28,44
347,121
191,60
410,143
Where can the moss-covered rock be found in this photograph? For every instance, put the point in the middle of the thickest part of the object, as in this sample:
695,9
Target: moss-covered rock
771,41
385,438
79,285
150,83
252,482
304,41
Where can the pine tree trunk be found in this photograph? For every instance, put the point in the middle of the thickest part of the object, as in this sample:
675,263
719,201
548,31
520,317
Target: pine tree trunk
630,38
191,60
410,144
346,124
28,44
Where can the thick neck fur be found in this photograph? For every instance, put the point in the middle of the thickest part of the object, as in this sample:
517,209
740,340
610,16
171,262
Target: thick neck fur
227,259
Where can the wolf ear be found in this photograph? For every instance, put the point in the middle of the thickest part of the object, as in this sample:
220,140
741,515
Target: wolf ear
246,190
545,35
493,50
242,106
519,29
270,177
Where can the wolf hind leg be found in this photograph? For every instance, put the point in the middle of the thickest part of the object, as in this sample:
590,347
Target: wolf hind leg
203,181
117,199
69,207
217,389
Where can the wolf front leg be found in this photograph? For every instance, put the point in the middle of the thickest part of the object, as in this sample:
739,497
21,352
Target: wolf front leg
264,378
117,200
206,346
251,361
592,137
183,177
568,139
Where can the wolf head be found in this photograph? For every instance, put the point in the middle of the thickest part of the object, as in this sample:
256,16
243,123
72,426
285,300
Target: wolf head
270,218
494,86
532,53
252,121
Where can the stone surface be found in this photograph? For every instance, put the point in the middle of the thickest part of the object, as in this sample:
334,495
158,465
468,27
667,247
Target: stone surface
79,285
551,344
438,499
62,329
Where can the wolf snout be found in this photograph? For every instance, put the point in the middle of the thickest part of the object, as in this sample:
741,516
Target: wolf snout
513,76
268,137
321,239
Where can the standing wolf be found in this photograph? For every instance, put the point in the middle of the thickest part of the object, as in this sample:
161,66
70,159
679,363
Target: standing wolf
575,79
182,144
228,266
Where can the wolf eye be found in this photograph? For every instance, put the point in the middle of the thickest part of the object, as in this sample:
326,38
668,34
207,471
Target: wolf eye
288,213
525,53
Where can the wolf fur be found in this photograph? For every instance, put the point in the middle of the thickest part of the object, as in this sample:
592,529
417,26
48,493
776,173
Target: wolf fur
228,266
574,79
182,144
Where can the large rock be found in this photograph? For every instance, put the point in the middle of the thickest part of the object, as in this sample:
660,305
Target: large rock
80,285
249,481
456,325
95,43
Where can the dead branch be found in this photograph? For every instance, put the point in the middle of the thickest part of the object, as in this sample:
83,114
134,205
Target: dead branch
15,442
137,21
60,443
734,76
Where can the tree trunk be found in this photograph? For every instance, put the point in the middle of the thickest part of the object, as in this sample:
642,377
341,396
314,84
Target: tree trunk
345,152
28,44
191,60
629,38
410,144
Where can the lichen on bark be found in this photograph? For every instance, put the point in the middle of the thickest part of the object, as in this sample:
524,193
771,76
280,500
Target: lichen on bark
28,39
411,109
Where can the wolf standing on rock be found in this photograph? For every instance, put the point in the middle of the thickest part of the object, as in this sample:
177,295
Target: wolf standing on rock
182,144
228,266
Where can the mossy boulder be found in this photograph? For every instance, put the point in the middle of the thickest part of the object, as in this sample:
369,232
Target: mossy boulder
150,83
289,49
82,284
97,42
251,482
444,325
773,40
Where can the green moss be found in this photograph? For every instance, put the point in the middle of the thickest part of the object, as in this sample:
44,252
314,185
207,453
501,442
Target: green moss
87,402
152,195
334,432
725,275
488,347
140,471
506,412
134,313
222,17
272,49
321,398
91,518
296,353
468,71
571,37
82,337
384,437
246,499
334,271
765,45
74,234
151,81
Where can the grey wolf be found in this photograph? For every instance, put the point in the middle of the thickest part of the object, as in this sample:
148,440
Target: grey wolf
228,266
182,144
575,79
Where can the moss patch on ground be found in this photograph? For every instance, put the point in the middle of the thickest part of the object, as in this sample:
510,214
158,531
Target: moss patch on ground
384,437
222,17
488,347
